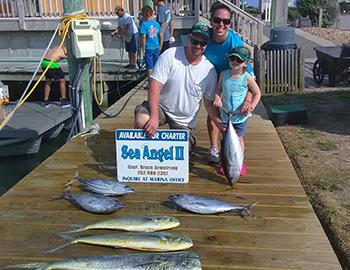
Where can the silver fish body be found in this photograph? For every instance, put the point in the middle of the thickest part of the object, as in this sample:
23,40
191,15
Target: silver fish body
231,155
133,224
150,241
136,261
105,187
94,203
207,205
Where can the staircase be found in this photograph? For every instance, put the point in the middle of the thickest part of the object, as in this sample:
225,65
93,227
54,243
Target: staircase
247,26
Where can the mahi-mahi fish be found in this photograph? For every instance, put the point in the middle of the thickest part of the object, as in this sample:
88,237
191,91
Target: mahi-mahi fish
106,187
133,224
137,261
207,205
148,241
231,154
94,203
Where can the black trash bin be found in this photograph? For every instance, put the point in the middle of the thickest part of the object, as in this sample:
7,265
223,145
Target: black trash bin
281,38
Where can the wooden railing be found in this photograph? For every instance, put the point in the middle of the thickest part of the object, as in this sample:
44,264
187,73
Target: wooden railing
246,25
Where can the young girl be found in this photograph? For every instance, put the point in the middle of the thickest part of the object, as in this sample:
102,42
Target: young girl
151,38
230,93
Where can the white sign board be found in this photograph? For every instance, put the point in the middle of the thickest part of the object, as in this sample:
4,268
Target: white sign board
160,159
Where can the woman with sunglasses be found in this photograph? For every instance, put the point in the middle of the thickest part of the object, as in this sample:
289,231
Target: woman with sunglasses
222,40
231,91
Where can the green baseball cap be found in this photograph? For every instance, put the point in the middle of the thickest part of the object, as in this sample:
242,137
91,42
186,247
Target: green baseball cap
200,29
240,52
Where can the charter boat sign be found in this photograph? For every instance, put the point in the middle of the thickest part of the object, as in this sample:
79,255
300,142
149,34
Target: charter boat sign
162,158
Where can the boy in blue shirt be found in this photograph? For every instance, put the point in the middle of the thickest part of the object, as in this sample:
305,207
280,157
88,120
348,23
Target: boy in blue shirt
151,39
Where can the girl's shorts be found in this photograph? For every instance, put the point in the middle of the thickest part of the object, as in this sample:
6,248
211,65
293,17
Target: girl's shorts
151,57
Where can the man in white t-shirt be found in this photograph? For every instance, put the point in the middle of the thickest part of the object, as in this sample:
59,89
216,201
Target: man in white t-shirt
181,77
128,30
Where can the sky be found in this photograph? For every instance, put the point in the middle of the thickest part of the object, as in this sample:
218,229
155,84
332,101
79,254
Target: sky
253,3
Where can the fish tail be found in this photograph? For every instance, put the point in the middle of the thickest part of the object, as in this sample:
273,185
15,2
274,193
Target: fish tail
247,210
67,238
77,176
78,228
55,198
37,266
58,248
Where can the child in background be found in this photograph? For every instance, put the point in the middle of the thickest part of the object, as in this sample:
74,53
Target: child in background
151,38
230,93
55,73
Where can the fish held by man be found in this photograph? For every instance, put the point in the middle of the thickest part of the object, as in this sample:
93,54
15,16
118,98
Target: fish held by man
133,224
207,205
231,155
137,261
106,187
149,241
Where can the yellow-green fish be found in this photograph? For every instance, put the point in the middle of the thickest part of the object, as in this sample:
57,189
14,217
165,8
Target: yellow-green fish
148,241
137,261
133,224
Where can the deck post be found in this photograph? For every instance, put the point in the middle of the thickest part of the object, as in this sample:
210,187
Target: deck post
21,15
196,10
78,90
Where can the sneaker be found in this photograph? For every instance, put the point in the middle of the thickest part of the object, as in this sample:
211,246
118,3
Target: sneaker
46,103
243,170
213,155
64,103
130,66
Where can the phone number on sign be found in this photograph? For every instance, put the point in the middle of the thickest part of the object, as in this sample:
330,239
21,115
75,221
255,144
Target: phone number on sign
152,173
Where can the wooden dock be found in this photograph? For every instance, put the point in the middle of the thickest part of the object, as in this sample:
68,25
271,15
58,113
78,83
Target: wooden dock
285,234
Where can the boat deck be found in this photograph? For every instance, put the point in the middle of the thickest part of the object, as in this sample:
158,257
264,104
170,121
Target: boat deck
31,122
285,233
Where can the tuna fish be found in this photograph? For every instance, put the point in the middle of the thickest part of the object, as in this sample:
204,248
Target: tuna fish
231,155
148,241
207,205
93,203
133,224
105,187
136,261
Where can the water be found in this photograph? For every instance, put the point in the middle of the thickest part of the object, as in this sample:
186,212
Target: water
14,168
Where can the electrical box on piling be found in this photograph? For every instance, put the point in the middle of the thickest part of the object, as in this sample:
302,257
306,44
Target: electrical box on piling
86,38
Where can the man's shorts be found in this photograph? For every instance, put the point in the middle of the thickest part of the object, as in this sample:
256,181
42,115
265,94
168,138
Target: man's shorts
163,119
131,46
54,74
151,57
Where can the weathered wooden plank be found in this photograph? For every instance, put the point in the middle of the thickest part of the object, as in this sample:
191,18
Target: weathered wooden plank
285,234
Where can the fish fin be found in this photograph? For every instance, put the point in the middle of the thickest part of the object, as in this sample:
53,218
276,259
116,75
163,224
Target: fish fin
37,266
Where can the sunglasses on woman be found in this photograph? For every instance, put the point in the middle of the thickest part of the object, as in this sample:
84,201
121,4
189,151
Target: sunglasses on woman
235,58
218,20
197,42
